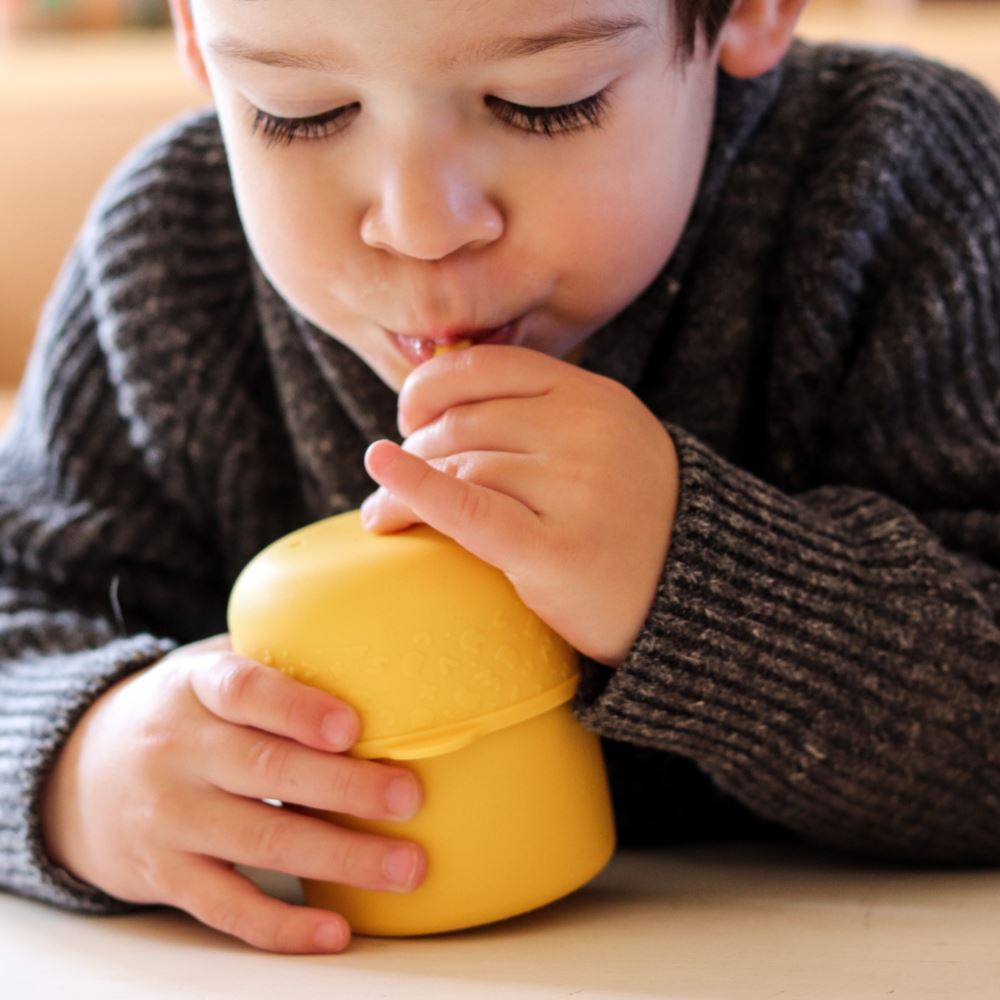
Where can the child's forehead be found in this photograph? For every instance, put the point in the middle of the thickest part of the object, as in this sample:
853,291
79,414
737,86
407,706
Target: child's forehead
456,33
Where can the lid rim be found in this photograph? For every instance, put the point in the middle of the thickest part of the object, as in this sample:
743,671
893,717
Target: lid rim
455,736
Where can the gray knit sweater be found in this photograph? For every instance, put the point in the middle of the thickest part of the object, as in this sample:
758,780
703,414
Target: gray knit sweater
823,654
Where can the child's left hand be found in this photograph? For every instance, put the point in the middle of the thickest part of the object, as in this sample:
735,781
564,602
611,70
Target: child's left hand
560,478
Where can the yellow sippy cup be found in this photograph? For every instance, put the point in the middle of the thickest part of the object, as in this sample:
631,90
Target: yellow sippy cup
453,674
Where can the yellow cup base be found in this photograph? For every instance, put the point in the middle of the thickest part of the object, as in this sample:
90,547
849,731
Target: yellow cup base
516,820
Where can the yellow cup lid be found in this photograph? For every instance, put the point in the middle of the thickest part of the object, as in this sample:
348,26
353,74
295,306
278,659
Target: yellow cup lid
431,645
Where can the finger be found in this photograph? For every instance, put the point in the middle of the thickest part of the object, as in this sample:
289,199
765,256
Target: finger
260,766
383,513
491,525
242,832
503,425
489,371
524,478
229,902
247,693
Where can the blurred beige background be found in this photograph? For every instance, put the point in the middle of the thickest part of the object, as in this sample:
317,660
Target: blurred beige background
72,104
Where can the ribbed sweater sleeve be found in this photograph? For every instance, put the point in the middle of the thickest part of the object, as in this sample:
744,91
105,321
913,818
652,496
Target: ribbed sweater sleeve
93,557
63,486
831,655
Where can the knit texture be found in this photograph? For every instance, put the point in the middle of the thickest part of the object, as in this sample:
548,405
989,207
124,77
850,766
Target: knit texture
822,654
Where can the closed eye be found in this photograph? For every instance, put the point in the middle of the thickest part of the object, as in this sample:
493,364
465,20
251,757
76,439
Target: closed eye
547,121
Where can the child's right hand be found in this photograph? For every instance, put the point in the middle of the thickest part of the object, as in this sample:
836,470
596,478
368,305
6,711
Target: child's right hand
157,794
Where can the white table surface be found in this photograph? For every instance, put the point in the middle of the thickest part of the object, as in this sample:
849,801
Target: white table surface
739,922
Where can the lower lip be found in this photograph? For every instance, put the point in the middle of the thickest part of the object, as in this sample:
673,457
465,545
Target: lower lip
417,350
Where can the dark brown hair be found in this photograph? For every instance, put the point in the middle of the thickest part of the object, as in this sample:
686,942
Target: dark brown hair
694,16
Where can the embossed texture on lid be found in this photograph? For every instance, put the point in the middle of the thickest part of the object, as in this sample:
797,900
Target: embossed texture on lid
431,645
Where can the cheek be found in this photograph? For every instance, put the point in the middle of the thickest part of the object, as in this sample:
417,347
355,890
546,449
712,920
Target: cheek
287,224
307,240
620,217
617,225
285,210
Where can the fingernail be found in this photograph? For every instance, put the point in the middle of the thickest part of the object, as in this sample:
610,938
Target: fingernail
402,798
337,731
368,510
329,937
400,865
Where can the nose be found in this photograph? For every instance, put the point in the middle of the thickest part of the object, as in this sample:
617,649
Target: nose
430,203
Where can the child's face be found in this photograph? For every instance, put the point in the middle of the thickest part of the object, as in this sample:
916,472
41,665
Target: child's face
428,205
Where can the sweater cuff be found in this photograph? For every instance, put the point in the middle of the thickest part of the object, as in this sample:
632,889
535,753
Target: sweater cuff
823,658
717,672
58,689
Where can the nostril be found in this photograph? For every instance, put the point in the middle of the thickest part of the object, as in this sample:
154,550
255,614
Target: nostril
418,225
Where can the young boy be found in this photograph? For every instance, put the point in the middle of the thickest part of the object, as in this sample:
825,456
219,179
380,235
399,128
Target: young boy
729,423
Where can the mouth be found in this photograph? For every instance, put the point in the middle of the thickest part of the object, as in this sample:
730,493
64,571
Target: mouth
418,348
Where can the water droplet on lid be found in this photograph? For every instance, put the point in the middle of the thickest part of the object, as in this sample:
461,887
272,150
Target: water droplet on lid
413,663
467,700
506,656
472,641
447,666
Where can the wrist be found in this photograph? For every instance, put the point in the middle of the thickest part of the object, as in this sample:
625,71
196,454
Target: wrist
647,568
61,804
58,813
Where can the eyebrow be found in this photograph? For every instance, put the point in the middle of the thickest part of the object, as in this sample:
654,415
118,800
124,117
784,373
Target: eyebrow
581,33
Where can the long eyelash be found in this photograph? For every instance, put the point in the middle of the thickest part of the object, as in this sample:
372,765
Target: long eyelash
552,122
277,131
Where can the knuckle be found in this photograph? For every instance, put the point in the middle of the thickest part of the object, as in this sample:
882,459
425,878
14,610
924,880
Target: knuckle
468,468
423,475
360,862
227,915
156,810
287,938
298,709
451,465
269,760
349,862
155,742
271,843
234,677
155,879
473,506
452,424
349,786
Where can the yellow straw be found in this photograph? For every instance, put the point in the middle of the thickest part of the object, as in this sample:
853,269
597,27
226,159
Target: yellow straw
459,345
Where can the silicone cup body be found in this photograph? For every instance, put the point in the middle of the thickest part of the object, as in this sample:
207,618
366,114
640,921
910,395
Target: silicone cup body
455,678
